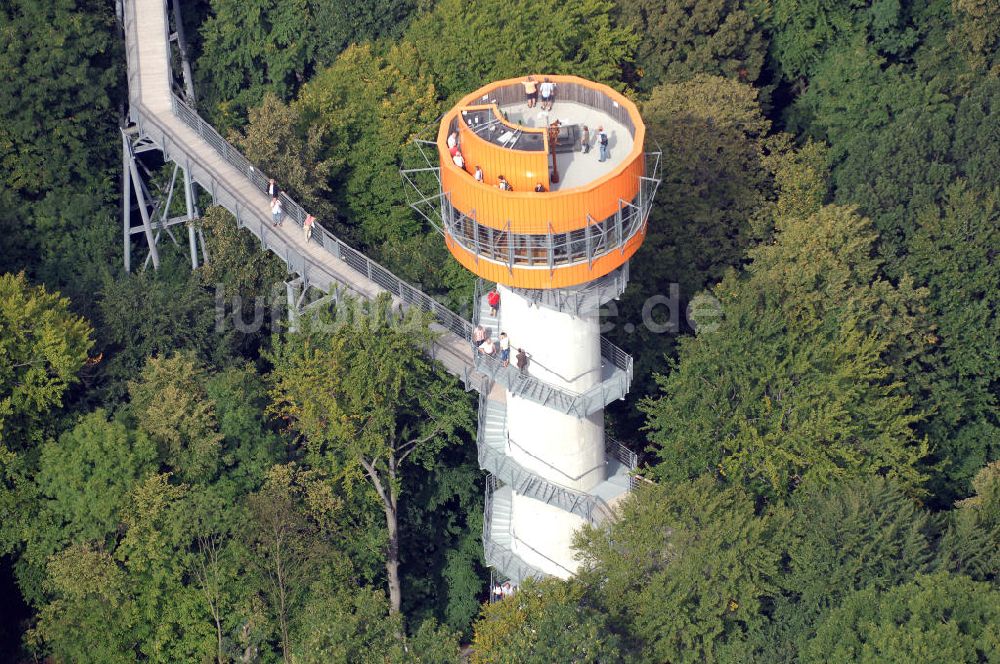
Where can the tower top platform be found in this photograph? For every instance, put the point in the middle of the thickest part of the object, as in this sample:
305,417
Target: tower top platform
531,198
501,134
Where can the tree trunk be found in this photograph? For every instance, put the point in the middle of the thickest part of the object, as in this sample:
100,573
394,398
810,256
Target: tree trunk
387,493
392,556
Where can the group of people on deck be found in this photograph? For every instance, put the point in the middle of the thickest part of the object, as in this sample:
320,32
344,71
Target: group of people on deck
503,590
485,344
532,91
277,212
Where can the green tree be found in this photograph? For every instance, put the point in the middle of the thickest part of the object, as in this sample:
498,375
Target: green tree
547,621
713,135
43,346
368,403
250,445
802,34
369,107
170,404
682,38
528,36
250,48
280,142
850,535
61,72
801,379
239,266
940,618
977,32
288,544
155,313
441,540
350,624
92,616
80,485
154,554
952,252
971,541
839,539
685,569
60,66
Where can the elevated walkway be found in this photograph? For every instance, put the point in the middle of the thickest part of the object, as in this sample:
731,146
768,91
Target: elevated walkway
234,183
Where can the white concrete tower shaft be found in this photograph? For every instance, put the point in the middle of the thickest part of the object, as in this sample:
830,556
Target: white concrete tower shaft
564,351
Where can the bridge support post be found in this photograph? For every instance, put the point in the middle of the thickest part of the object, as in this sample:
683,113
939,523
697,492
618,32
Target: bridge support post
294,291
129,165
126,205
192,214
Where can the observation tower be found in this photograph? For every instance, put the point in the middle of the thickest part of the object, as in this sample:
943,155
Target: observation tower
556,256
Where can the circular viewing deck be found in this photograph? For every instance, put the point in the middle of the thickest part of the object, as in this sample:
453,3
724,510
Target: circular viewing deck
584,223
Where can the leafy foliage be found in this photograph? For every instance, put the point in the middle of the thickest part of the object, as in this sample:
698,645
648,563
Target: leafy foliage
544,622
366,401
684,570
683,38
798,382
42,349
171,405
936,618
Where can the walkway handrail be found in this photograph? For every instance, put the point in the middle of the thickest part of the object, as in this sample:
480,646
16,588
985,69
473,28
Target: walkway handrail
585,505
354,259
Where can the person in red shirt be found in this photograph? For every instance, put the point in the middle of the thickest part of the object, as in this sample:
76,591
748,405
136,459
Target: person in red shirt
493,298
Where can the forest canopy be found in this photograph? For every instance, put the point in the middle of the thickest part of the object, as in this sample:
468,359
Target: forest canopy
820,467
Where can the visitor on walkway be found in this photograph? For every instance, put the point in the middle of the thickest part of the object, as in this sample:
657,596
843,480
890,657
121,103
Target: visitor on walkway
530,91
272,189
493,299
488,347
307,226
478,174
602,142
453,140
507,589
276,211
459,160
503,184
585,140
479,335
497,592
504,349
522,360
548,90
539,187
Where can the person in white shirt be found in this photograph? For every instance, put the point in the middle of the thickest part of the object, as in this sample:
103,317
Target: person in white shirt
548,92
276,211
478,174
504,349
452,139
459,160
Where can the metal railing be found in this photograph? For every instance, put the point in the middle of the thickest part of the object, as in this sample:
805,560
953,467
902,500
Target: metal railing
354,259
527,483
528,386
583,299
501,555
